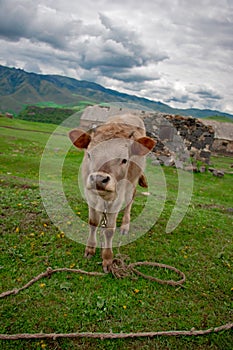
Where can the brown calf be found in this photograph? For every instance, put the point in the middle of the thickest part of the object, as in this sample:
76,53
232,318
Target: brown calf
113,164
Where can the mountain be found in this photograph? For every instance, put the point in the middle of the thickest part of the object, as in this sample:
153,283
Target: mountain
19,88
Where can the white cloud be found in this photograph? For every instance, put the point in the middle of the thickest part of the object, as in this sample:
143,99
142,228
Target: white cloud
174,51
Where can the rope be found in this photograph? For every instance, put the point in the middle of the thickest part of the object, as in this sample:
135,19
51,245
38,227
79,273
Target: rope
55,336
48,273
119,269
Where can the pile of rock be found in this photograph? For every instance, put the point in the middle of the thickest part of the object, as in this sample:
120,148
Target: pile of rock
216,172
194,168
179,138
7,115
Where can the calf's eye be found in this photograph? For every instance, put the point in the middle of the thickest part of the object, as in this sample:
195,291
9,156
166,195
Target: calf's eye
124,161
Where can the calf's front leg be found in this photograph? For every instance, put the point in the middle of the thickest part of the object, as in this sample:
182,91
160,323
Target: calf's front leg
94,220
107,254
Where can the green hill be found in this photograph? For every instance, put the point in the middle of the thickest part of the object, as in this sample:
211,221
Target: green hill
19,89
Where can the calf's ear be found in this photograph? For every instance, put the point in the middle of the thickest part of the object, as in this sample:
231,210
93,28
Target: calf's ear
142,181
79,138
142,146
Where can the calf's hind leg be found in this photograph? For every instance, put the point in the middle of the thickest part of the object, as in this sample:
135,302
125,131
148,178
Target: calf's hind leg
126,217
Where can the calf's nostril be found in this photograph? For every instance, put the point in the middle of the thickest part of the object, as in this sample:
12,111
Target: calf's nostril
106,180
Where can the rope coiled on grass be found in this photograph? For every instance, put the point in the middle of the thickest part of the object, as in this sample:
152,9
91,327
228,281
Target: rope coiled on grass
120,270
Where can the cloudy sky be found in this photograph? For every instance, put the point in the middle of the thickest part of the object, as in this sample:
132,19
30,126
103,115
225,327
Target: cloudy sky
174,51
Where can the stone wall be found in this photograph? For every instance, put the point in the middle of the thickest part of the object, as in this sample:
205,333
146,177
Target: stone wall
223,147
178,137
223,137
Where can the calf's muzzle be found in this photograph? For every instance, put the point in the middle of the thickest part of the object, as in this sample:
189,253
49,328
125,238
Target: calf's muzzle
99,181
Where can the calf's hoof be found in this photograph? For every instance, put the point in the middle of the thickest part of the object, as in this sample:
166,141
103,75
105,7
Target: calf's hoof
107,256
124,229
89,252
107,263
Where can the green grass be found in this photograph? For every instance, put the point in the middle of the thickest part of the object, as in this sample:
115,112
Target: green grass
219,118
50,112
79,106
222,163
201,246
23,124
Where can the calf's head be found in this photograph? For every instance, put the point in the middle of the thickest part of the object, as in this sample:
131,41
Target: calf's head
109,161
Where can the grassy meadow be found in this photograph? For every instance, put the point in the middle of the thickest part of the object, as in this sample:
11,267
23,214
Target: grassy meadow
201,246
